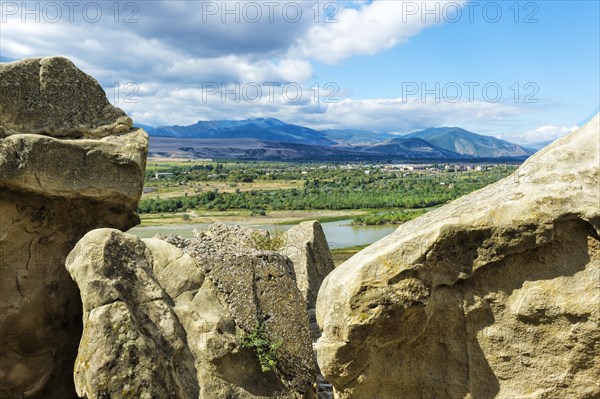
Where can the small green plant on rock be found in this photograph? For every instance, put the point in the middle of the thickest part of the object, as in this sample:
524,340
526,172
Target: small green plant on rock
265,350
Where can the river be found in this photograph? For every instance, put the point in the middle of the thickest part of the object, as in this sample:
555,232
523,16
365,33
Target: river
340,234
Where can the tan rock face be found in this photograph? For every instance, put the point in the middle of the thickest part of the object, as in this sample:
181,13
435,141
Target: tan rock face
307,248
53,191
492,296
109,170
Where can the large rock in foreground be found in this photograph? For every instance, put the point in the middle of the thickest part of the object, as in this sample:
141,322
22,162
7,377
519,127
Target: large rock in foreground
307,248
225,290
495,295
52,192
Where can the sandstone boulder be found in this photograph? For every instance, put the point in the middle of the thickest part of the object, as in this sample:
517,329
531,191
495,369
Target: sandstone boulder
51,96
133,345
54,188
495,295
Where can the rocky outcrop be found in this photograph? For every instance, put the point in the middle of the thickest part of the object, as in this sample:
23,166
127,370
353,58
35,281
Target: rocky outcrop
152,307
69,163
133,345
492,296
235,291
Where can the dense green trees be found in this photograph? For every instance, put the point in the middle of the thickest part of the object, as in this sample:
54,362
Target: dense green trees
325,187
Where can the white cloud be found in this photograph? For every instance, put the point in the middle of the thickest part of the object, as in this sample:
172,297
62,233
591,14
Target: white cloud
544,133
170,62
374,27
127,57
174,40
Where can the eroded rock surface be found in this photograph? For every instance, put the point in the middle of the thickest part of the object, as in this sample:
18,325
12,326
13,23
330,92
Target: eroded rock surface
495,295
307,248
54,188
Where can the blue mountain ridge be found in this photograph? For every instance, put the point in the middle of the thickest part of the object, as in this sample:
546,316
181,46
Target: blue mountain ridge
438,143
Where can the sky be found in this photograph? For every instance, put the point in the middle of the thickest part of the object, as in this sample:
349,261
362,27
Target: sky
524,71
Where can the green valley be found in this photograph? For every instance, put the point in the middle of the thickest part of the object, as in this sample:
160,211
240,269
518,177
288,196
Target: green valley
367,193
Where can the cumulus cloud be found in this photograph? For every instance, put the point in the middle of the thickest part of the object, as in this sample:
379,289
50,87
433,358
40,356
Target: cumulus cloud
146,60
231,41
200,28
544,133
217,28
160,40
402,116
373,27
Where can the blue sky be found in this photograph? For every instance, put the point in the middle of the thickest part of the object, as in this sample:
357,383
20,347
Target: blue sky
172,59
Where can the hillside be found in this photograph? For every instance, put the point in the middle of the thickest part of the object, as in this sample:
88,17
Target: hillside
244,148
253,149
356,136
412,147
470,144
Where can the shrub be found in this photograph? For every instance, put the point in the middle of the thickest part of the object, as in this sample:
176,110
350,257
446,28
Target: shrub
265,241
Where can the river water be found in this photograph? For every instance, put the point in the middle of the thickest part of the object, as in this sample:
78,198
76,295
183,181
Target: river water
340,234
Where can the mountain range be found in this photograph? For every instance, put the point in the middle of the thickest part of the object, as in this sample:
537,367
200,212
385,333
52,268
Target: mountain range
272,139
